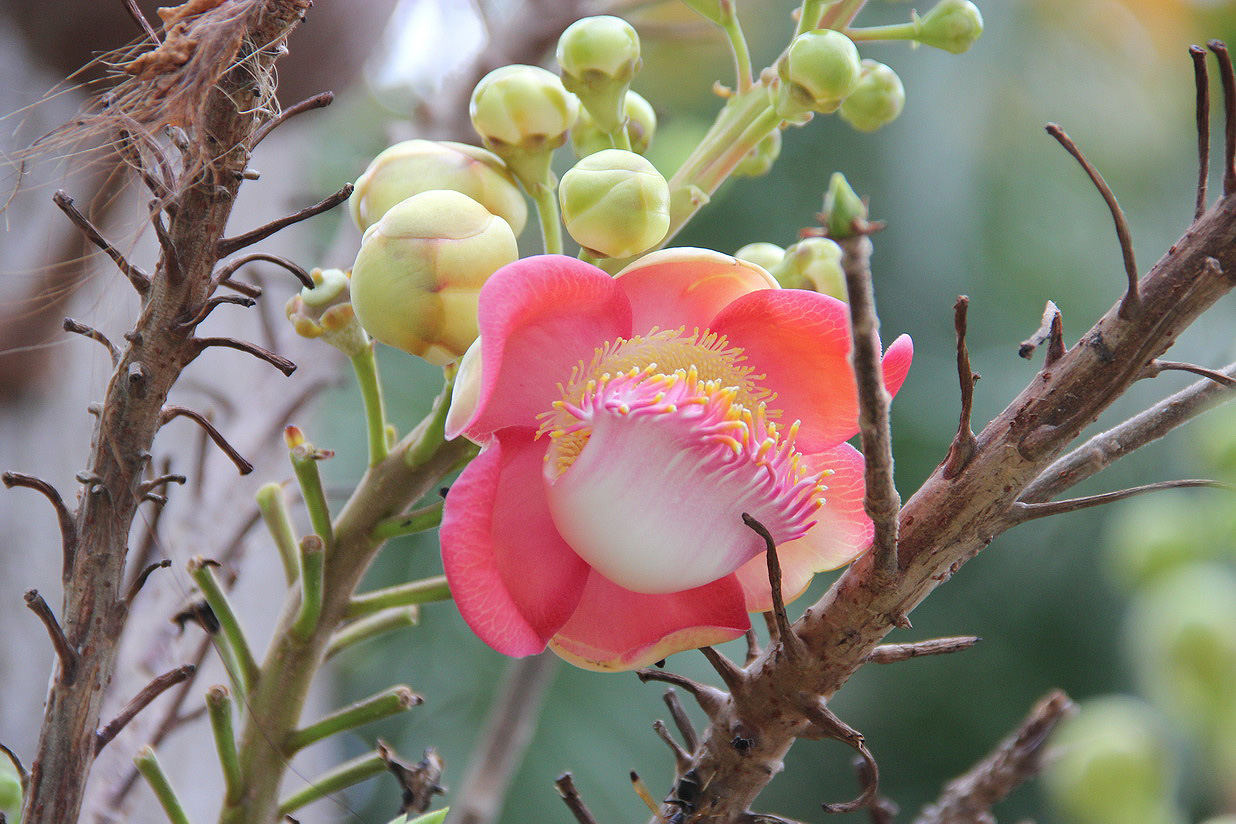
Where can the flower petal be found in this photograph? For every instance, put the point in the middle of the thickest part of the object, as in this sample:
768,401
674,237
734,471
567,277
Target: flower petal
800,342
539,318
687,287
616,629
842,532
513,577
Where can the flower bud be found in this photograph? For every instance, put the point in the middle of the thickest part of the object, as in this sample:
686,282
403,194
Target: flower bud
762,156
416,166
877,100
615,203
1114,765
10,790
641,123
523,114
813,263
598,57
417,277
952,25
325,311
844,213
818,71
765,255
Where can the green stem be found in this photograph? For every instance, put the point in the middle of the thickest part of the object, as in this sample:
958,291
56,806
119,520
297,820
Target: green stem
545,196
305,467
365,365
312,565
234,649
431,432
279,524
809,14
219,708
841,14
895,31
340,778
418,520
374,708
423,591
371,626
148,765
619,139
738,46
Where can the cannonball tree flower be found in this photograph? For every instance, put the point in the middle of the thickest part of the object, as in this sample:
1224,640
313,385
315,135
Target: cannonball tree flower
627,423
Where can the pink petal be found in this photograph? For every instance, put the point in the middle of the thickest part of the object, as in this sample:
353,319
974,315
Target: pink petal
515,580
539,318
842,533
800,341
687,287
616,629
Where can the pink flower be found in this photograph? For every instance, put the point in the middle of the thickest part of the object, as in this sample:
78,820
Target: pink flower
627,423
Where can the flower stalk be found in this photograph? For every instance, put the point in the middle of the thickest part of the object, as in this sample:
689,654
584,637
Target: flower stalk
423,591
219,709
374,708
278,522
312,563
365,365
241,666
414,522
372,626
345,775
305,466
148,765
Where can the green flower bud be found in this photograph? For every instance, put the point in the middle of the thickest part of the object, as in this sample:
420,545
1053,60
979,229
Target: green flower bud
762,156
417,277
325,311
813,263
952,25
844,213
1113,765
598,57
877,100
416,166
523,114
765,255
615,203
818,71
10,790
587,137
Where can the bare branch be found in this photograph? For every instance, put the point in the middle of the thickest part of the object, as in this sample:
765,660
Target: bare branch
679,715
892,653
1201,80
1033,511
246,289
570,797
228,269
229,245
785,633
1016,760
318,101
150,692
170,412
710,699
79,328
1131,299
881,500
964,443
139,279
729,672
278,361
68,529
140,581
1156,366
64,650
682,758
209,306
831,726
1229,114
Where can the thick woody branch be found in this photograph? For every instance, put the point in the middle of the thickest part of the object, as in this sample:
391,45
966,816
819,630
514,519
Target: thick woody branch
224,272
1051,332
140,701
1201,81
892,653
880,501
278,361
318,101
79,328
1228,79
1016,760
1032,511
964,442
68,530
64,650
229,245
139,279
1129,302
172,412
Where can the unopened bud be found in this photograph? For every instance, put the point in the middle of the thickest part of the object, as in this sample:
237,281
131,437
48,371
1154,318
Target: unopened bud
641,124
615,203
952,25
598,57
293,436
416,280
325,311
818,71
813,263
761,158
877,100
766,255
416,166
844,213
523,114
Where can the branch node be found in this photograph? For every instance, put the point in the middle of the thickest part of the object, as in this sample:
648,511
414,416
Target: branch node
150,692
170,412
64,650
964,443
79,328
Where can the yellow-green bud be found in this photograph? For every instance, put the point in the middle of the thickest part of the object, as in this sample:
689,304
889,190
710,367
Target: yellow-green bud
10,790
615,203
952,25
818,71
844,213
416,166
598,57
523,114
813,263
419,272
325,311
877,100
641,124
762,156
765,255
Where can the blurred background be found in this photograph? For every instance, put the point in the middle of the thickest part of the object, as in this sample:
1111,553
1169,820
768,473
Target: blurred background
1136,599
